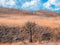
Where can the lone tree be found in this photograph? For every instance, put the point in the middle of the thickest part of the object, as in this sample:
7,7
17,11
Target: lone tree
30,27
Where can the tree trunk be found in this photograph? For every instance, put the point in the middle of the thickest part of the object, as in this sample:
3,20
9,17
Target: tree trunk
30,40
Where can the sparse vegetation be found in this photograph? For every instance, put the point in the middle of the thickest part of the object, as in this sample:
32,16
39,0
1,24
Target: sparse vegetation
30,27
46,36
30,31
8,34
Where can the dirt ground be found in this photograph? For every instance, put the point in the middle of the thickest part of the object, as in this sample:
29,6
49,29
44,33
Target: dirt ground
20,20
12,20
37,43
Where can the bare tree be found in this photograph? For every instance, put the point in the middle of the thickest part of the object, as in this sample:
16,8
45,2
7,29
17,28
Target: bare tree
30,27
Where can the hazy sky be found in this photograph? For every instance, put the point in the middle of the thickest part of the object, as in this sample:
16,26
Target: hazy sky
32,5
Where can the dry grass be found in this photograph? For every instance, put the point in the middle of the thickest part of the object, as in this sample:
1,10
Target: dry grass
30,31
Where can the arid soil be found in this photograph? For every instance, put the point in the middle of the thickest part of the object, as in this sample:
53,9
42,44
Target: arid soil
20,18
37,43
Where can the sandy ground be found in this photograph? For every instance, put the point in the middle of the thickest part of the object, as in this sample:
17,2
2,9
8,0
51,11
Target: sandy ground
19,20
37,43
12,20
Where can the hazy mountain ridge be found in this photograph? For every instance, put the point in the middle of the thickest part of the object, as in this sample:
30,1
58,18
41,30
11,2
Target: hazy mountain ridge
25,12
12,11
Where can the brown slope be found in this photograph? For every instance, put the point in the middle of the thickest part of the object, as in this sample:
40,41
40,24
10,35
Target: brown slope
13,11
46,13
25,12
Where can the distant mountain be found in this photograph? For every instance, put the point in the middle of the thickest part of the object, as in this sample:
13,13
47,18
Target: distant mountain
46,13
13,11
25,12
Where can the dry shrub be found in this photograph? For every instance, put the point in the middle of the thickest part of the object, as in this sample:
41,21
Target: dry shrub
23,34
30,31
36,32
46,36
8,34
56,34
29,28
42,33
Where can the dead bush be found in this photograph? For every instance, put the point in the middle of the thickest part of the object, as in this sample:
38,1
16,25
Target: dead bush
36,32
46,36
56,33
42,33
8,33
29,29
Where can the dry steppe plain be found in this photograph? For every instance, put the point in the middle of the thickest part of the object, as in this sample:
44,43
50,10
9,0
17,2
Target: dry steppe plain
14,17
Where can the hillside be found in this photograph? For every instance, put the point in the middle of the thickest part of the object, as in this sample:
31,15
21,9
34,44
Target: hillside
46,13
25,12
12,11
